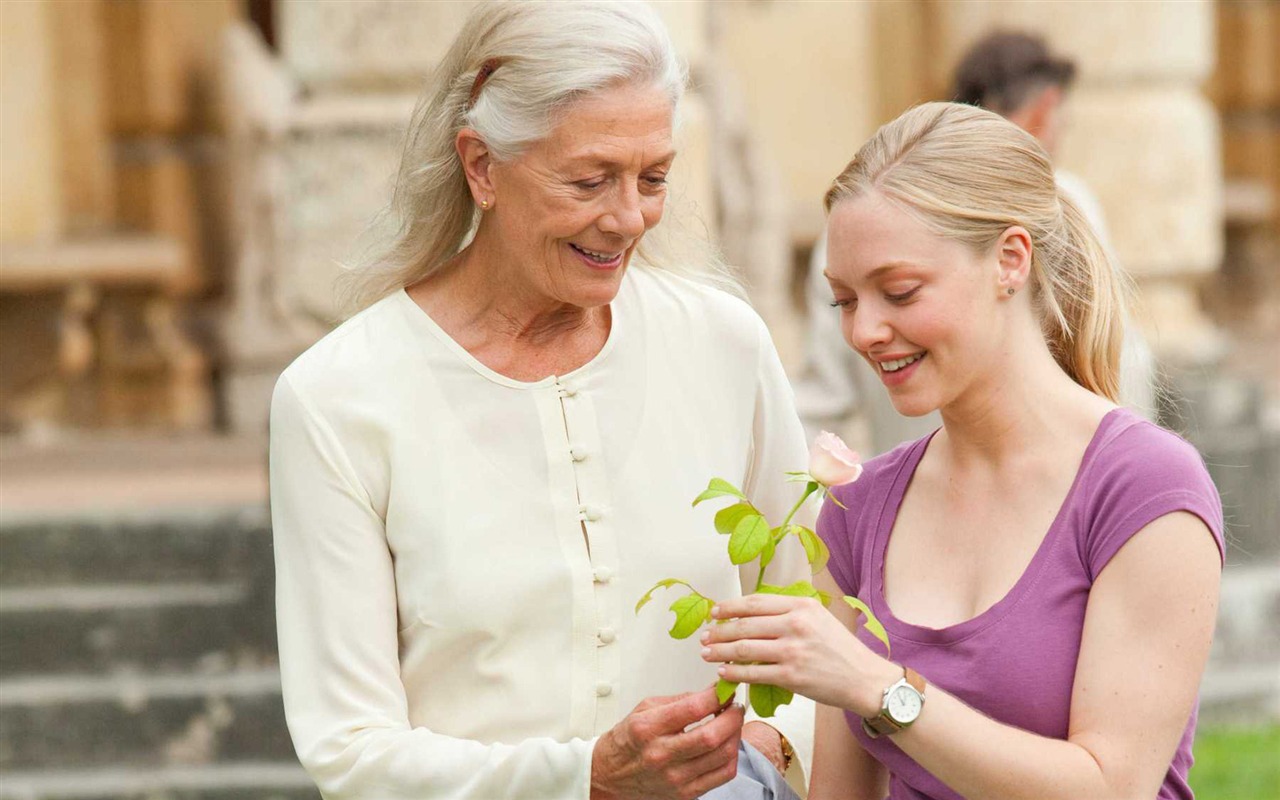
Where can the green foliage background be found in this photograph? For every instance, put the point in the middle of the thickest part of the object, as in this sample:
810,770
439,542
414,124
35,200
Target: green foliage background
1237,764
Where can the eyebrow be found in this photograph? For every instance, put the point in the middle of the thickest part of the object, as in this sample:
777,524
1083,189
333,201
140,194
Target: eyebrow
878,271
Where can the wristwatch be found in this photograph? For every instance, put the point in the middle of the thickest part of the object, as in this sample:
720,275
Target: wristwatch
900,707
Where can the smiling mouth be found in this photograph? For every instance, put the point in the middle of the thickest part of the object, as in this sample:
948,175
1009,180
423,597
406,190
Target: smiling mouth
596,256
901,363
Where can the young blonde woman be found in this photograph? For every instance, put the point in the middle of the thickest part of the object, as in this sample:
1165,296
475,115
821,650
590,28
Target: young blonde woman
1045,565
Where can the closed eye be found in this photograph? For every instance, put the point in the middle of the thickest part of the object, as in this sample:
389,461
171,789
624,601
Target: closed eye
903,297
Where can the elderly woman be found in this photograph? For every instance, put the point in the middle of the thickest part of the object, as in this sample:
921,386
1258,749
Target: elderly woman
475,478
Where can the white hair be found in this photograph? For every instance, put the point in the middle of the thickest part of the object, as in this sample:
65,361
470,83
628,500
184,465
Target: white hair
549,54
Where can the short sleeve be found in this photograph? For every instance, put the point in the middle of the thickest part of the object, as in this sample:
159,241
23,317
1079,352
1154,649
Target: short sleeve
1144,473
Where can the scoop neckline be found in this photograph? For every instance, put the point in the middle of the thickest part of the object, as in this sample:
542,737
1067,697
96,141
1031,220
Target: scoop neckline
950,634
419,318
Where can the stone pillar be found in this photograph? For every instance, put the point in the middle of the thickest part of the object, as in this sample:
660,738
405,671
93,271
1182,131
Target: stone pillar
30,188
1141,135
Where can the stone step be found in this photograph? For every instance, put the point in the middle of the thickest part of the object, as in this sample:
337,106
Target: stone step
144,628
192,546
89,721
247,780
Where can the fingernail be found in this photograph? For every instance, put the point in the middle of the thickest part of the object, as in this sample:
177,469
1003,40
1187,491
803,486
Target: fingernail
706,651
715,611
706,635
720,671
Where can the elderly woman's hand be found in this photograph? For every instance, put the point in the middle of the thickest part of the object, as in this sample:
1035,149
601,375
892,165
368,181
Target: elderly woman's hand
649,754
796,643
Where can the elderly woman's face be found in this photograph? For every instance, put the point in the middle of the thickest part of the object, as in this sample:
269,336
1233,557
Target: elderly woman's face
572,208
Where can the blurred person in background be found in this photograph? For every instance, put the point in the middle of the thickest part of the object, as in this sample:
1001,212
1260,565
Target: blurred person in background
1045,565
1016,76
475,478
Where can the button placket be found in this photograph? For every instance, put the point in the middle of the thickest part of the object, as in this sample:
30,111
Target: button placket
581,441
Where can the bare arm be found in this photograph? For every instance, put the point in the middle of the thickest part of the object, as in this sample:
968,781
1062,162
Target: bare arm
842,770
1146,638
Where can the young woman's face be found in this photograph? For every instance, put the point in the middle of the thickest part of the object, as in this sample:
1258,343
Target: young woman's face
916,306
572,208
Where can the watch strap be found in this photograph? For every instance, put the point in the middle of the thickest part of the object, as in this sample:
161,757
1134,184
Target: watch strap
915,679
882,724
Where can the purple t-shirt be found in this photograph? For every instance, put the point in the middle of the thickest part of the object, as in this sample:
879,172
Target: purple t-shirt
1016,661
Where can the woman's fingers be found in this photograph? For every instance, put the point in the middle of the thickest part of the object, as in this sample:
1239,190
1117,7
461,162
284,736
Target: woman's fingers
756,673
756,605
767,650
770,627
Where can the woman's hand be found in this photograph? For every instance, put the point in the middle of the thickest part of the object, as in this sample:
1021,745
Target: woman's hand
799,645
649,754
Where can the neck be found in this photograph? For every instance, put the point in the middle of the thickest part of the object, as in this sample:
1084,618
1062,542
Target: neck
484,293
997,420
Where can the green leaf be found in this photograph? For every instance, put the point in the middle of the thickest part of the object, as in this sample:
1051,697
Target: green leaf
872,624
799,477
725,690
748,539
814,549
663,584
728,517
719,488
765,698
691,611
767,588
825,598
766,555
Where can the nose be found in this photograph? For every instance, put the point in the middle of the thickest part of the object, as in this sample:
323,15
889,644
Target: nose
865,328
624,215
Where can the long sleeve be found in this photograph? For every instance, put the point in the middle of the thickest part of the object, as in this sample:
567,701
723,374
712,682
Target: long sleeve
336,601
778,446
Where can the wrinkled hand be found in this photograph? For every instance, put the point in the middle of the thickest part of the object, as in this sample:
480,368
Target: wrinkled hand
800,646
650,755
765,738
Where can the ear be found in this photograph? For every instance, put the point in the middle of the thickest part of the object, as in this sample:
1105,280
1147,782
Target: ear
476,164
1013,260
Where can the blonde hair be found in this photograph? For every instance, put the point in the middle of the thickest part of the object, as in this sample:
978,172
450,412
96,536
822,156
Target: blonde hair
969,175
548,55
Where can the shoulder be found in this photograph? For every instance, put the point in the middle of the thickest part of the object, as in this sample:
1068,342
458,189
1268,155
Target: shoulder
1140,473
352,357
677,300
1137,458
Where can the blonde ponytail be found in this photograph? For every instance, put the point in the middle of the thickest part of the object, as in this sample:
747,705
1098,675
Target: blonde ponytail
970,175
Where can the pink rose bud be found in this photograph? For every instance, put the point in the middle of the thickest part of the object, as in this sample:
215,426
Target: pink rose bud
831,462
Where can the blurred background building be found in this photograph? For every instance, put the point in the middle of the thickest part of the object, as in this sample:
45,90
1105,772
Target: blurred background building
182,180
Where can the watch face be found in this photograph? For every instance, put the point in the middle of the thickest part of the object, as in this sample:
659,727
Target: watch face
904,705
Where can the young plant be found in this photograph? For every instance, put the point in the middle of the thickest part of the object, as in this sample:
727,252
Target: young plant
751,537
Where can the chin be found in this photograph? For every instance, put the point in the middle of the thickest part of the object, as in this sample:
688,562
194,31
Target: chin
913,406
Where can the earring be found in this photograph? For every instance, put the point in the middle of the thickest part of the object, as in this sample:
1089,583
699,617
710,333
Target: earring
484,204
1010,291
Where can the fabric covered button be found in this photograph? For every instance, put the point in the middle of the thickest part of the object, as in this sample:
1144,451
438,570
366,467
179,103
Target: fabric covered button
603,689
590,513
607,636
602,574
578,453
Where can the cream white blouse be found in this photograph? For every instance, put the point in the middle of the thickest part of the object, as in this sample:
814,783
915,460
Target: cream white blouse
459,554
